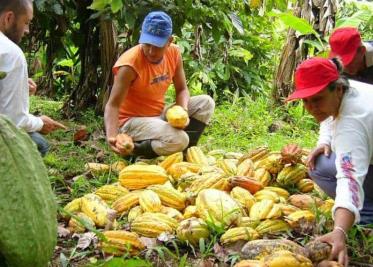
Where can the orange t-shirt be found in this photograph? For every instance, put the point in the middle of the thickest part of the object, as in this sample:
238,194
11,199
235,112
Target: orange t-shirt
145,97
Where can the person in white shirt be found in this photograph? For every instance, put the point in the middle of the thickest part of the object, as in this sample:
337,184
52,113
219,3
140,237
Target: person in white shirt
342,163
15,87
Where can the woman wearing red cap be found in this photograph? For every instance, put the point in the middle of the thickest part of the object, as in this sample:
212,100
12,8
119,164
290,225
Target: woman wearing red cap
356,55
346,173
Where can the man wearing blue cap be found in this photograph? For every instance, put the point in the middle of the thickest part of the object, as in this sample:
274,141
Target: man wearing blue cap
136,106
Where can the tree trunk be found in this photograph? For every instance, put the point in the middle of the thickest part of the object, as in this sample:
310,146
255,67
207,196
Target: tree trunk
85,94
109,53
321,15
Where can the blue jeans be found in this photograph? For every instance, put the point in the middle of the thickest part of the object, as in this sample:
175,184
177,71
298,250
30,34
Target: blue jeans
324,175
40,142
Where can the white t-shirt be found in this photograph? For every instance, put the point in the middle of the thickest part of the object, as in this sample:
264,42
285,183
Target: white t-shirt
14,89
351,138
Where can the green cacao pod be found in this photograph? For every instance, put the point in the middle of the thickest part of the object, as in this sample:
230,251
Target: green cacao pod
28,221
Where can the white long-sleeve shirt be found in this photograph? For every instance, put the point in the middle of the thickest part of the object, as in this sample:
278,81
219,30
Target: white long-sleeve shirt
351,138
14,89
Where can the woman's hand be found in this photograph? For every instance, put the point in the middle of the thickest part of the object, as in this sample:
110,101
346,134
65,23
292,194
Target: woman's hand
337,240
321,149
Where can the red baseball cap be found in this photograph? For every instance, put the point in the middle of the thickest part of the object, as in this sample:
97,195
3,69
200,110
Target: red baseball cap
344,43
312,76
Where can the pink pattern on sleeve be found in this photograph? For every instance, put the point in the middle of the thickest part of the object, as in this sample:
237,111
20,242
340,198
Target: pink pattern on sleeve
348,170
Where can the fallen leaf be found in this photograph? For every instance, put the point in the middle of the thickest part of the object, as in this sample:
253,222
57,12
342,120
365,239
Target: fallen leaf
85,240
149,242
62,231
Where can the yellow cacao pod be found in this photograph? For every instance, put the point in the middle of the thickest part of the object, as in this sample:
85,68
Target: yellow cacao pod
177,117
141,176
169,195
97,168
243,196
152,225
272,163
190,211
121,242
279,191
209,180
249,263
159,217
298,217
327,206
261,209
218,208
134,213
178,169
96,209
78,224
248,222
246,168
73,206
126,202
171,159
195,155
239,233
285,258
255,154
287,208
272,226
173,213
305,185
263,176
111,192
191,230
118,166
233,155
150,201
266,194
290,175
227,165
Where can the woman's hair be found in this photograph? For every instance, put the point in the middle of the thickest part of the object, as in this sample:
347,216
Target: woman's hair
342,80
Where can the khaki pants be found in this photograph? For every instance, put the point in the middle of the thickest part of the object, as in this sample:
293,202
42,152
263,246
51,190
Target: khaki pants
167,139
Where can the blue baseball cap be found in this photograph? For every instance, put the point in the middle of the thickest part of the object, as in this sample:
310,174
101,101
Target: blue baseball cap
156,29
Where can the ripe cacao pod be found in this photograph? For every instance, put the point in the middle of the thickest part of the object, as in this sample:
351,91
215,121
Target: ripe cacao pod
291,154
192,230
171,159
177,117
169,195
150,201
290,175
141,176
121,242
239,233
218,208
285,258
249,184
195,155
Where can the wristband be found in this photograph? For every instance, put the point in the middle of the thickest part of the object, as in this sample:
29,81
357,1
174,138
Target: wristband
341,230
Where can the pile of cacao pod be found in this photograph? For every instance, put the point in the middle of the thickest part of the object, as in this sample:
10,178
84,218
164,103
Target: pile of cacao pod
257,196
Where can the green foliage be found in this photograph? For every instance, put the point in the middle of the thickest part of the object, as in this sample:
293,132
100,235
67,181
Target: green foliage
356,14
360,242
